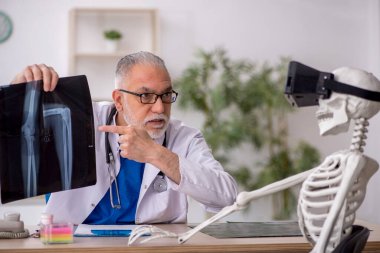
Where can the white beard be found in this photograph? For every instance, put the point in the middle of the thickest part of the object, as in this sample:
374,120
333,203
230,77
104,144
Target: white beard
154,134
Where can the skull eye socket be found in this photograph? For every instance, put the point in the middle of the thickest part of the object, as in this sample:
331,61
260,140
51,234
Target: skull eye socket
336,103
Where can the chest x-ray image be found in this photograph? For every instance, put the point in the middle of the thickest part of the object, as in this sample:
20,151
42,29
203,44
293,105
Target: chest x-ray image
46,138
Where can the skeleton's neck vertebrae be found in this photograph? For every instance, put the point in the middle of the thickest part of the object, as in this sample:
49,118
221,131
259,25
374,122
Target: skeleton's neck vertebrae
359,135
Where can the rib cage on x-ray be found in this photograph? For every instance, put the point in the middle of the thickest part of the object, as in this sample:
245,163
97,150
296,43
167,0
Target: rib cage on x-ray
56,122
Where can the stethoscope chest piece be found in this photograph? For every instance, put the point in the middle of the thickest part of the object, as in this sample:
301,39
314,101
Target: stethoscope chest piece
160,184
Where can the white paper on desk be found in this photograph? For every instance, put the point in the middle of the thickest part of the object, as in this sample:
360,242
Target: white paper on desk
85,229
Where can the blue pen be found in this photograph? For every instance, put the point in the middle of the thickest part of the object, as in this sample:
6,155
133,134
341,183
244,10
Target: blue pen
110,232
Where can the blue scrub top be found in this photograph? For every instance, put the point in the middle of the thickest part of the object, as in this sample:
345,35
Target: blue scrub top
129,181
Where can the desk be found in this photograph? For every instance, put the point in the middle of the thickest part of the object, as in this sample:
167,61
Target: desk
199,243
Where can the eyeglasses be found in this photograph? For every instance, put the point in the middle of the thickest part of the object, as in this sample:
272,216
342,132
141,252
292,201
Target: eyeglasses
151,98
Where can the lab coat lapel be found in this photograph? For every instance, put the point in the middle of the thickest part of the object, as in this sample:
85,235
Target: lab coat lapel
150,173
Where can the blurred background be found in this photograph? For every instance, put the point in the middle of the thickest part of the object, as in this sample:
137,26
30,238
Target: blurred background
256,37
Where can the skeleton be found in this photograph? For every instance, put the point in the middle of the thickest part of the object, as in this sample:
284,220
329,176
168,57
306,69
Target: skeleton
332,192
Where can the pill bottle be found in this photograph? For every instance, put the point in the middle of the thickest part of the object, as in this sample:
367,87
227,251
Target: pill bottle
45,220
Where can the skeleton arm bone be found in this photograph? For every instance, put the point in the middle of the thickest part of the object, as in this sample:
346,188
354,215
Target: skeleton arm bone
244,198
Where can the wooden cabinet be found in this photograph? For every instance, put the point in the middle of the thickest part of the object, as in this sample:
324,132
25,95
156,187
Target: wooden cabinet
88,51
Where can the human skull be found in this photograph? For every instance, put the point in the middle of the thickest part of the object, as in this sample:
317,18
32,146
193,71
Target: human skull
334,114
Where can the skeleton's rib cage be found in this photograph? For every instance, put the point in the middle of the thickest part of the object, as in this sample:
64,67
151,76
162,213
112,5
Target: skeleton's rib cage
331,195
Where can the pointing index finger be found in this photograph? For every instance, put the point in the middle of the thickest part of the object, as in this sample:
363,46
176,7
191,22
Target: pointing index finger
113,129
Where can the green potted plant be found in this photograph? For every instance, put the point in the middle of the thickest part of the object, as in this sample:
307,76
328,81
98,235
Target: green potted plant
113,38
244,106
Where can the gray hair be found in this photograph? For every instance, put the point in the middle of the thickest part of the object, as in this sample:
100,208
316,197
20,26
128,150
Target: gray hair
126,63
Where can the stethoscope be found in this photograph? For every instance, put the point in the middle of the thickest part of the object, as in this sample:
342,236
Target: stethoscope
159,184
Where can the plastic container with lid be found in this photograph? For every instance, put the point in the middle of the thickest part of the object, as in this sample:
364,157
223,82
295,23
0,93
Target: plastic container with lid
51,233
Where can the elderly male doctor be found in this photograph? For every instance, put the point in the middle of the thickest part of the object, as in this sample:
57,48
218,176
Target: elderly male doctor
157,161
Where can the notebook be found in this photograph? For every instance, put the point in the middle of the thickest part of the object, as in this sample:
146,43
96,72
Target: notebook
85,230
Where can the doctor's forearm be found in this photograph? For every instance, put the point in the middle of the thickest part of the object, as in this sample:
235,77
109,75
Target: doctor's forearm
168,163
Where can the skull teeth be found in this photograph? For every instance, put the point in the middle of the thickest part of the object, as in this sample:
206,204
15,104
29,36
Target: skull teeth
324,116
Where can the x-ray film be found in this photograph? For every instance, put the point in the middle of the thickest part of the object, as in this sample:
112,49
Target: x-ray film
47,139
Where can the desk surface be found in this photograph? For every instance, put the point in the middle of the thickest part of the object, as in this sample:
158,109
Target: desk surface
199,243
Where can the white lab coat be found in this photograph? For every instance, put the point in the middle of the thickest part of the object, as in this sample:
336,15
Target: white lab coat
202,178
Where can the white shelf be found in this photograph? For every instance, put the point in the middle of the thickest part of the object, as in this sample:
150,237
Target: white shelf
88,53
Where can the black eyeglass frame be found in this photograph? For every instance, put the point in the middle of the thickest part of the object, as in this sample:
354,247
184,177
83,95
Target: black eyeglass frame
173,98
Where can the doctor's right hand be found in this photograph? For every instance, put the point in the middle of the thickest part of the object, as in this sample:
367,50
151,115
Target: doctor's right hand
38,72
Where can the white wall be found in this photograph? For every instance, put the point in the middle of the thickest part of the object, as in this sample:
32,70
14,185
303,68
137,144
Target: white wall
324,34
371,206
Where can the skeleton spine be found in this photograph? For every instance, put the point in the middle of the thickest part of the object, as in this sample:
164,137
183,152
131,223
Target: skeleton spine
359,135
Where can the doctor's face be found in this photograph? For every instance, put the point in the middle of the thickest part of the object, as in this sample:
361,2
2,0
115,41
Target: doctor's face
154,118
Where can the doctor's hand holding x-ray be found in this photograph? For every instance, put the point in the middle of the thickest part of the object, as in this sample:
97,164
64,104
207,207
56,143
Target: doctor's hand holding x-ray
38,72
154,162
